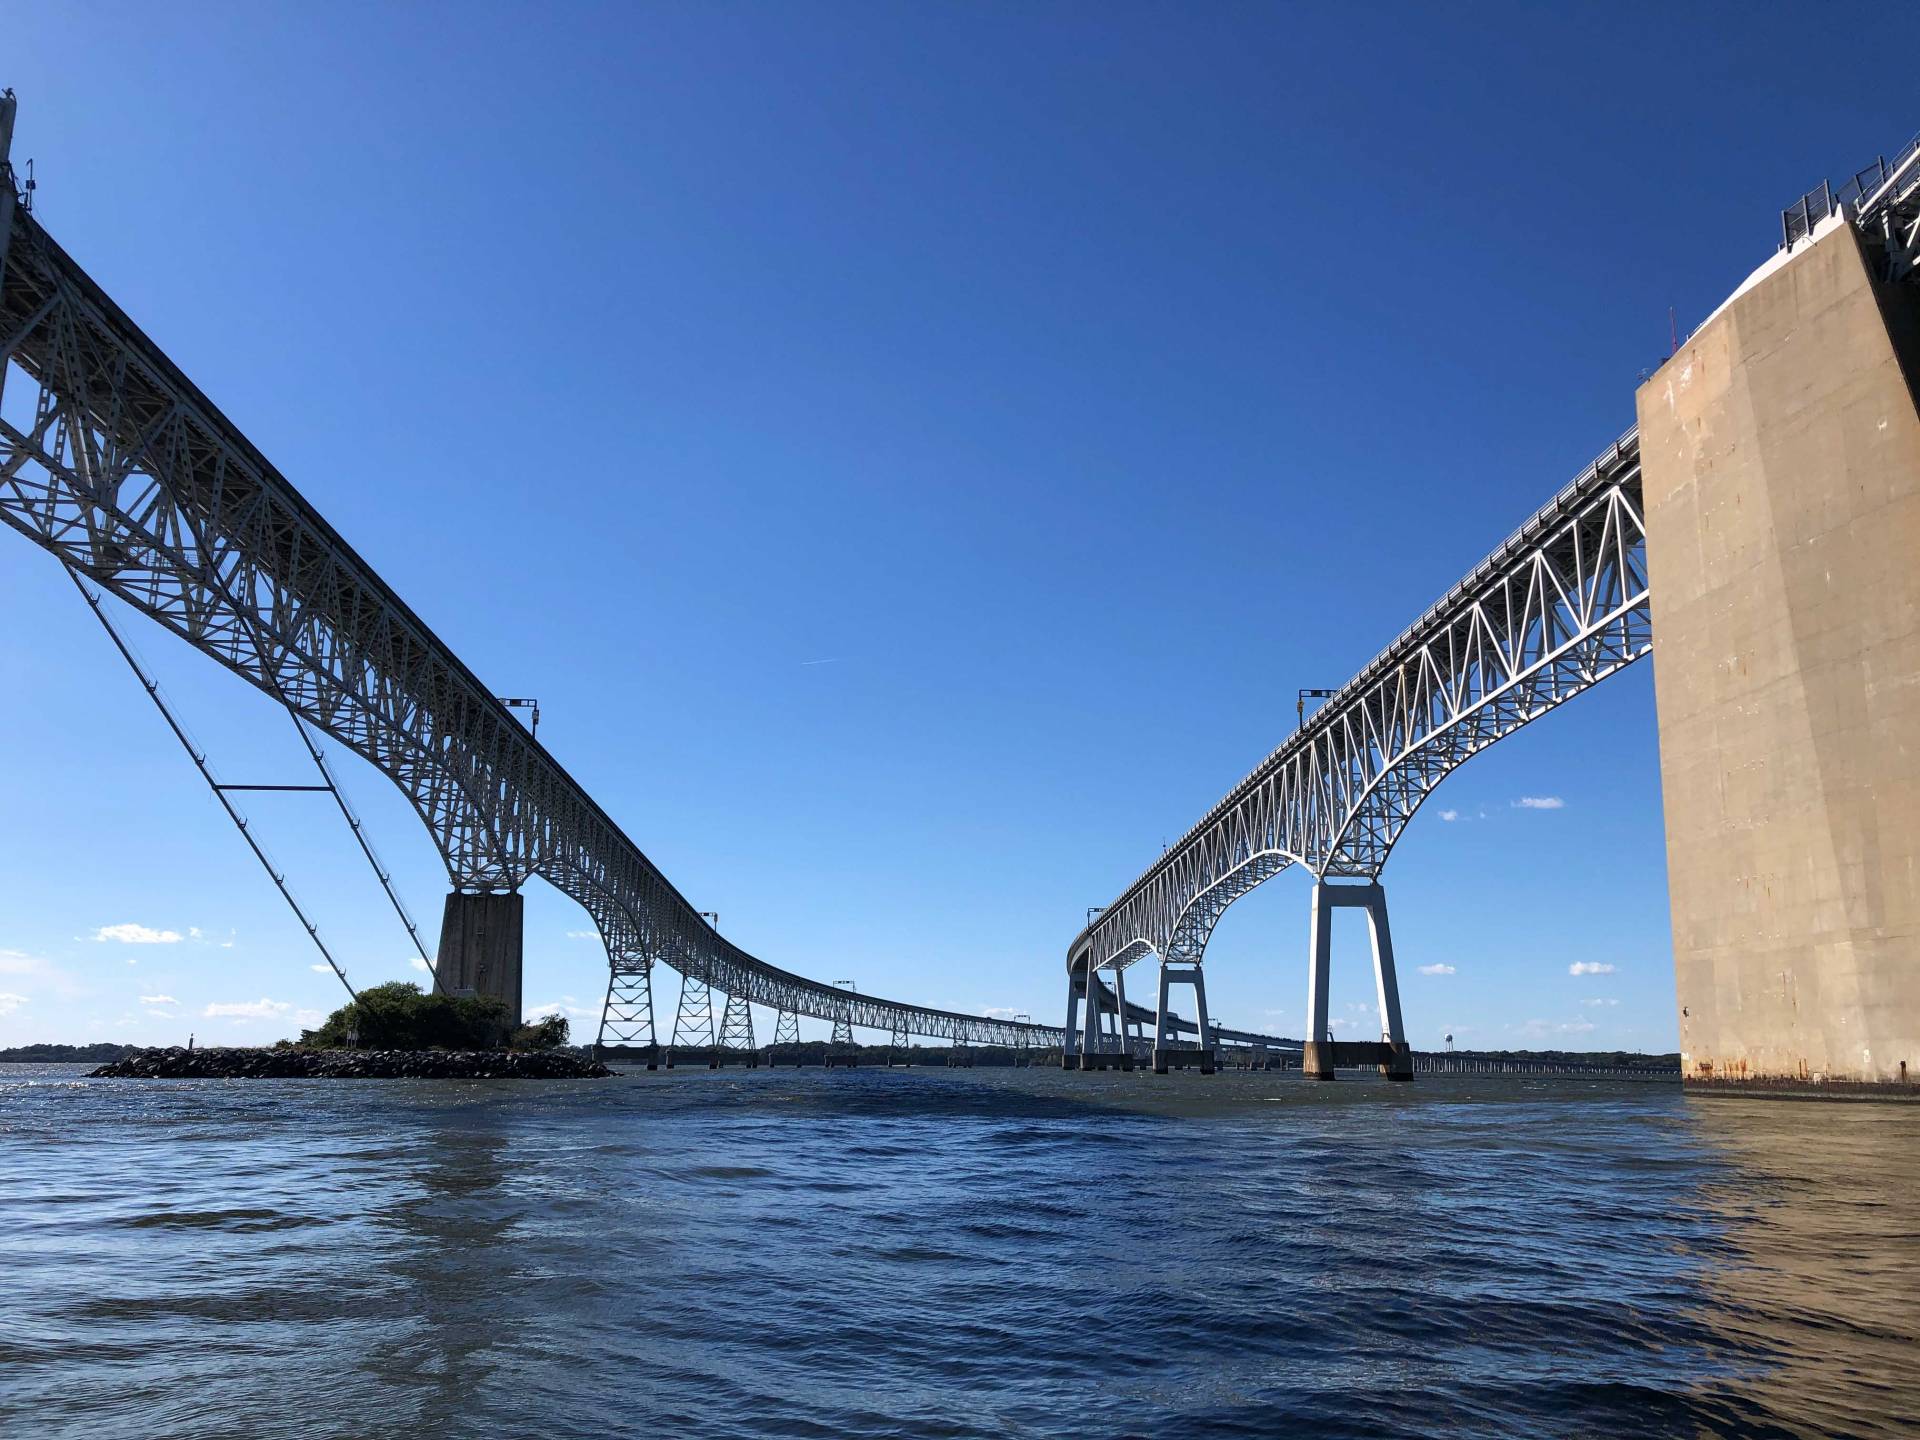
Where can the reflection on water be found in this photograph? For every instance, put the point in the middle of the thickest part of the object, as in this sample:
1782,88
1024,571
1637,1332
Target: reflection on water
1820,1274
951,1253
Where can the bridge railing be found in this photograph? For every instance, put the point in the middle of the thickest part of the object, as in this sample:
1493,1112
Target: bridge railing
1862,194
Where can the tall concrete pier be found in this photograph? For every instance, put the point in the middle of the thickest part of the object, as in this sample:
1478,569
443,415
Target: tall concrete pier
480,939
1781,461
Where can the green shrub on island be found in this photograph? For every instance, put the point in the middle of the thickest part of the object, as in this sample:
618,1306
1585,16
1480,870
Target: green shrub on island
549,1033
399,1016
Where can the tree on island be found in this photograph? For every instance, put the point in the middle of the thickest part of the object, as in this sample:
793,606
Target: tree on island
399,1016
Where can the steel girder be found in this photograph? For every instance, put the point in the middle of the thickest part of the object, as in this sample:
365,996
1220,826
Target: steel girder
1555,610
114,461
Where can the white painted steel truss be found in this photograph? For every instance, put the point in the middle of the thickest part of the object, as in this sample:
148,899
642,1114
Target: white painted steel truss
114,461
1555,610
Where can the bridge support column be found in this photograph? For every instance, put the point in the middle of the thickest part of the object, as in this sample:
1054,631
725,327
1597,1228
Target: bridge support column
1317,1055
626,1019
1781,467
1124,1042
1399,1065
480,937
1090,1034
1070,1037
1167,1054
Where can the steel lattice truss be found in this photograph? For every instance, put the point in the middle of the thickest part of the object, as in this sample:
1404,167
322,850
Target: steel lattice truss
114,461
1556,609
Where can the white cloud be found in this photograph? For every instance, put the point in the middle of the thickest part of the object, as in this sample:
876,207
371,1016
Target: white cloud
193,933
1449,815
1539,802
158,1000
1589,967
420,964
131,934
1436,970
1001,1012
261,1009
1598,1001
1576,1027
18,962
321,967
10,1002
582,935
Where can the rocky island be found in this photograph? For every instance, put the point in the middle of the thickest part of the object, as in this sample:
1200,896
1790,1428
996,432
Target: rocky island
297,1063
387,1032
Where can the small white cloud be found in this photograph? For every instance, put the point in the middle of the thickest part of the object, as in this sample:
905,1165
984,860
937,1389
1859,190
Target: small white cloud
261,1009
193,933
10,1002
131,934
582,935
1599,1001
1589,967
18,962
1436,970
420,964
1001,1012
1449,815
1539,802
158,1000
322,967
1576,1027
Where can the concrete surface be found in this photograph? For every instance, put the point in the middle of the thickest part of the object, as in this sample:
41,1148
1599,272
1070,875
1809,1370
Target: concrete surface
1781,463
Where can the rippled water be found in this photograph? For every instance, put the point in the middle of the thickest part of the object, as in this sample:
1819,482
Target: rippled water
951,1253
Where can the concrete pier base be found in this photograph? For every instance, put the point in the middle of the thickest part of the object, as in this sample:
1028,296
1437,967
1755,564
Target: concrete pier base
1316,1059
1780,460
1183,1057
650,1054
1319,1058
480,937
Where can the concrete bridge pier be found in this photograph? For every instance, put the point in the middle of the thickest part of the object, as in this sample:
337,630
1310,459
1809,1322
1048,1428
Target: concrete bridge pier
1781,460
1166,1052
1070,1038
1317,1055
1090,1028
480,944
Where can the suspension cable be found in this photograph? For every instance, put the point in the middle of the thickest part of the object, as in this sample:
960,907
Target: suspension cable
220,792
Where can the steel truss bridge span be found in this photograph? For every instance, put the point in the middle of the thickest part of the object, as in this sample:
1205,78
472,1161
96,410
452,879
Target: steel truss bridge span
115,462
1557,608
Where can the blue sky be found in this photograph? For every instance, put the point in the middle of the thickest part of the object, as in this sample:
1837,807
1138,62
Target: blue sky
913,452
